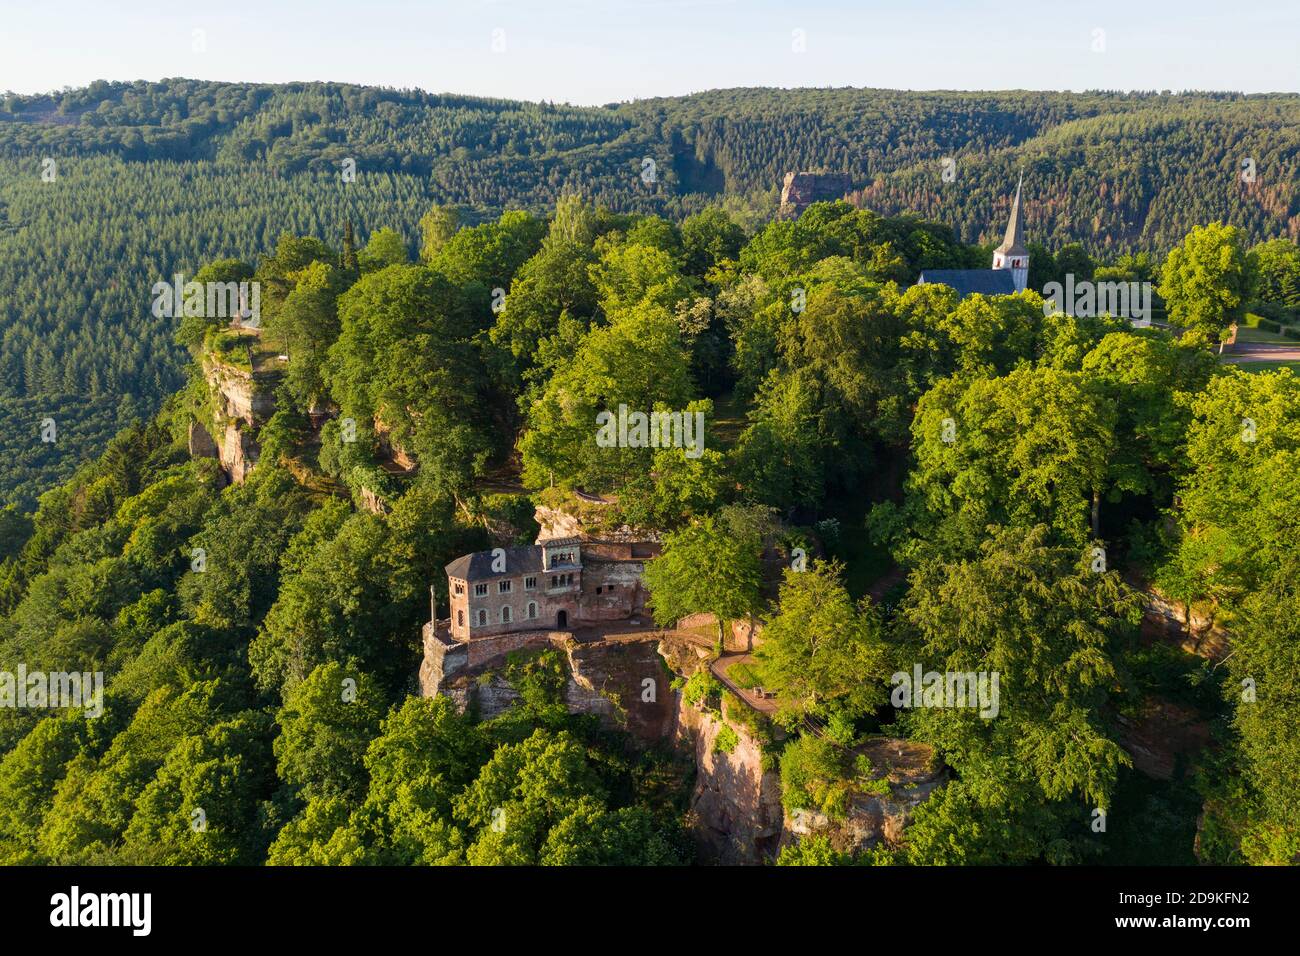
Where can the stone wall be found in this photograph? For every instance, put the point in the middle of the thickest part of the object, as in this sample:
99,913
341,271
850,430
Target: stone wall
443,658
622,682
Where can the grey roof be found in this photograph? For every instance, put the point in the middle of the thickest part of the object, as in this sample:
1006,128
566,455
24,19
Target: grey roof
477,566
1013,243
968,281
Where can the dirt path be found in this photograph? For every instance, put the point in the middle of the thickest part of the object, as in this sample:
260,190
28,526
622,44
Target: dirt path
719,668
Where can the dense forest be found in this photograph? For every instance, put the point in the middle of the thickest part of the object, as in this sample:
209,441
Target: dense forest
1026,475
108,189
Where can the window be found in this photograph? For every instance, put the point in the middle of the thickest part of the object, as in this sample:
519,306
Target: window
505,614
530,584
481,618
460,587
460,618
503,587
598,589
480,590
532,610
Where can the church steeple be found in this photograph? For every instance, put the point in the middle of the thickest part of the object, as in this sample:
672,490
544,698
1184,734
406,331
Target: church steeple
1013,254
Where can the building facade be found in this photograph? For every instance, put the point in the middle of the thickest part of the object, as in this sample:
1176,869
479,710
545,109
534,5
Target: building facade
553,585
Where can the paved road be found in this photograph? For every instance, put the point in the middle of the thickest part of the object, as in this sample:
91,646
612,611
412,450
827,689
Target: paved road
1262,352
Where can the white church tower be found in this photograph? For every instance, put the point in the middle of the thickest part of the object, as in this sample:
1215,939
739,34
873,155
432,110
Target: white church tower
1012,254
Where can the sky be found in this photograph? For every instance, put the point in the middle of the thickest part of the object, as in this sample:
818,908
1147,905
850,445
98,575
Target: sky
602,51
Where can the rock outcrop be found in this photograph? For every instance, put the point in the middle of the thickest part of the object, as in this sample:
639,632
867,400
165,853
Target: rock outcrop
909,771
236,393
201,444
1161,735
800,190
239,452
241,403
1188,628
622,681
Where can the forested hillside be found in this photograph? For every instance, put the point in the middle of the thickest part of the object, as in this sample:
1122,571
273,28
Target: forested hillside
1021,482
150,179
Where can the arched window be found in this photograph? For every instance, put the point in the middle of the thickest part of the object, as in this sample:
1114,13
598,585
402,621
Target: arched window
481,617
532,610
505,614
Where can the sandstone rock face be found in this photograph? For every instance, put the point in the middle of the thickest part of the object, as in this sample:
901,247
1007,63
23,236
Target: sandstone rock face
554,523
389,449
236,395
239,453
1160,735
800,190
557,524
1196,634
623,682
239,408
735,810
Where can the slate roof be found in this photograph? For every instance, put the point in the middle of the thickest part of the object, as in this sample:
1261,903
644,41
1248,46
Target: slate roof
477,566
968,281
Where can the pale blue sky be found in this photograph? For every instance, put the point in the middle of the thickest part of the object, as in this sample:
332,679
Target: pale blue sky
598,51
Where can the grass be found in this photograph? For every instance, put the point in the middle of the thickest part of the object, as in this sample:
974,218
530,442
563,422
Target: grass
1250,333
728,419
1267,366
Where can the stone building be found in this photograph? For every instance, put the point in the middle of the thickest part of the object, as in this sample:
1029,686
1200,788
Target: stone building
553,585
1010,272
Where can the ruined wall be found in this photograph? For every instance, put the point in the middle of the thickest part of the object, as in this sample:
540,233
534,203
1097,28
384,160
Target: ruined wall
611,590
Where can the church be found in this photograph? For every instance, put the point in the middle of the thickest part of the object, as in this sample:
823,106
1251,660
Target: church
1010,272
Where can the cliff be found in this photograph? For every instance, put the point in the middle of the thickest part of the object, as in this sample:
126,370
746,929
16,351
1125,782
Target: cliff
240,402
735,807
801,189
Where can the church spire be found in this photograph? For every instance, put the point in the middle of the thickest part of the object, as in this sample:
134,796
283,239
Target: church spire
1013,244
1013,254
